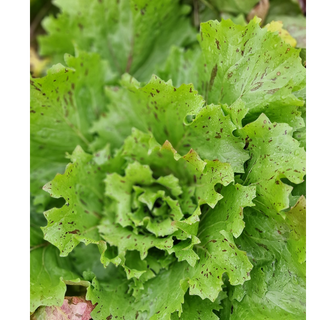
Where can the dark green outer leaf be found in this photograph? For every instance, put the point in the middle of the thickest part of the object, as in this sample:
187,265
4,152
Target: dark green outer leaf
194,308
63,106
133,35
49,273
278,288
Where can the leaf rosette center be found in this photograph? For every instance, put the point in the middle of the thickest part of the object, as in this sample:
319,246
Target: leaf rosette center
146,204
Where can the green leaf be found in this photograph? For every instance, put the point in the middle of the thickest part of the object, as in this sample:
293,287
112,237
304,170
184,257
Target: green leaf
239,196
217,252
172,183
300,189
300,134
274,155
164,225
277,288
134,36
173,283
36,234
157,106
112,300
179,66
196,308
190,168
296,219
218,141
247,63
125,239
48,274
184,251
63,106
256,69
119,189
218,255
172,114
86,261
82,188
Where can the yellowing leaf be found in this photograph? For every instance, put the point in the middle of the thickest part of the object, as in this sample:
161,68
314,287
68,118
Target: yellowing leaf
274,26
37,65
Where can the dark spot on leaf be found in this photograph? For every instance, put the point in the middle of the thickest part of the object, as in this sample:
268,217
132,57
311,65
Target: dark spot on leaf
259,84
213,76
156,116
273,91
218,44
74,231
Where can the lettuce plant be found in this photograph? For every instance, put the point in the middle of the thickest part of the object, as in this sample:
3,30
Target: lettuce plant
182,196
